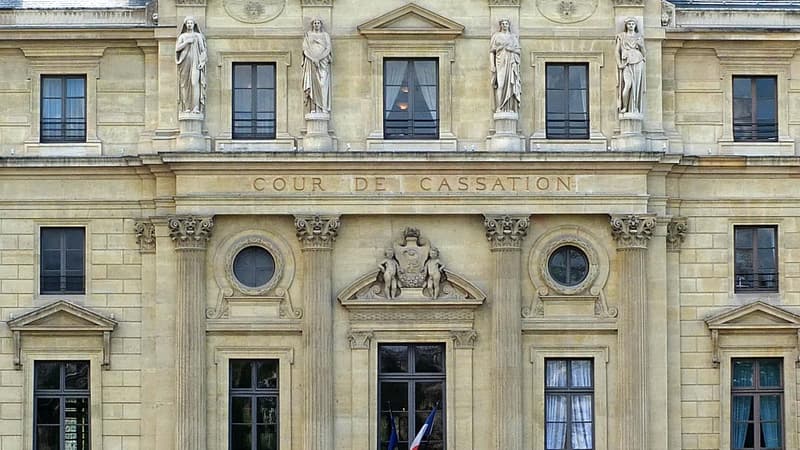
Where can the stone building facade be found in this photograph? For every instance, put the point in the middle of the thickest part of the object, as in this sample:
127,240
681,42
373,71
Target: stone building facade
290,223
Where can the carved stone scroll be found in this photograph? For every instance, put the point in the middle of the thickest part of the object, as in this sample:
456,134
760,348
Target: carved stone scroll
145,236
506,231
633,230
464,338
190,231
317,232
676,233
359,340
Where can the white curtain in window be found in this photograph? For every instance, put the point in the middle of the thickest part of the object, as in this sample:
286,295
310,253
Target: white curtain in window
556,421
582,422
741,412
770,424
556,373
426,76
581,373
394,75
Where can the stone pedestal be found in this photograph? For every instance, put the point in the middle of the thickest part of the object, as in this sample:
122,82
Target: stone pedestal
630,136
317,137
191,133
317,234
505,234
632,234
505,137
190,235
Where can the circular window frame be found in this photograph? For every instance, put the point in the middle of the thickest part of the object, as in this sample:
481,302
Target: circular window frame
568,248
583,245
254,241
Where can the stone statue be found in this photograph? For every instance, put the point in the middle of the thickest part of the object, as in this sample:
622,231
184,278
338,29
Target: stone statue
191,55
504,56
389,270
316,65
630,55
434,270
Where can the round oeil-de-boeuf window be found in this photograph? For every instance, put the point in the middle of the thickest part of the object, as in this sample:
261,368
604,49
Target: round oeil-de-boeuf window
568,265
254,266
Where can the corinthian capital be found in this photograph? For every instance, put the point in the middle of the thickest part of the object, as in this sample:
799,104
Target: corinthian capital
506,231
317,232
676,233
145,236
633,231
190,231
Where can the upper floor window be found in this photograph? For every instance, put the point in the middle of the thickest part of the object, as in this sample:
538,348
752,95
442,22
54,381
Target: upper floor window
63,108
756,258
569,404
755,108
411,98
62,260
411,382
254,101
254,404
61,405
567,101
757,404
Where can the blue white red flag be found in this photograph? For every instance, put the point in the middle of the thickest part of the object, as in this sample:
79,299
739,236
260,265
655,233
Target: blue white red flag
392,434
424,432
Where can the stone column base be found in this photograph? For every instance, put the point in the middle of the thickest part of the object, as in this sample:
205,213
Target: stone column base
630,136
317,137
191,136
505,137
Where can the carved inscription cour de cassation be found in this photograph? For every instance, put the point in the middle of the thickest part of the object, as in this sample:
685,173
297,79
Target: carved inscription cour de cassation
399,184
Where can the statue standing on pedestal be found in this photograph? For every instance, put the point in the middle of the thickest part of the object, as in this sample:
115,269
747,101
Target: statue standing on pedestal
630,55
317,58
504,54
191,55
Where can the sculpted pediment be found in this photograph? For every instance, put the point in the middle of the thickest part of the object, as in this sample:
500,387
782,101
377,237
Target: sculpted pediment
754,316
411,20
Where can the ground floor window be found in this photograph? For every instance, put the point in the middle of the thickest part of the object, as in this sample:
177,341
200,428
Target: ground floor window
61,405
569,404
757,404
253,404
411,382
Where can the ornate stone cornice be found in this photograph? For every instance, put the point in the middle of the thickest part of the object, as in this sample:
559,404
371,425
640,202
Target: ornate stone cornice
145,236
464,338
316,2
190,2
317,232
629,2
359,340
633,231
190,231
506,232
676,233
504,2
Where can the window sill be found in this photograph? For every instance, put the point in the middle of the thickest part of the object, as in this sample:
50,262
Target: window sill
443,144
784,147
279,144
90,148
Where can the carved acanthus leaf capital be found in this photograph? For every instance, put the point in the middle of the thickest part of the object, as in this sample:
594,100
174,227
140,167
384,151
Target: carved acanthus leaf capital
145,236
676,233
190,231
506,231
317,232
464,338
633,231
359,340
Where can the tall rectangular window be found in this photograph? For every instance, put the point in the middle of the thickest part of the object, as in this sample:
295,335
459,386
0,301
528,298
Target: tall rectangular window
62,260
569,404
253,408
567,102
63,108
411,381
755,108
756,258
411,98
254,101
61,405
757,404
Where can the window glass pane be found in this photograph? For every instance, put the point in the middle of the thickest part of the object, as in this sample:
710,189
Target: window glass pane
268,374
741,87
394,396
241,100
241,438
765,88
48,411
577,101
241,410
556,101
770,421
556,435
51,87
254,266
47,375
393,358
556,373
74,238
741,413
582,436
766,237
265,101
267,410
266,75
577,76
743,237
769,373
742,373
267,437
581,373
582,408
429,358
427,395
76,375
242,76
74,259
76,424
241,374
556,408
47,437
75,87
556,77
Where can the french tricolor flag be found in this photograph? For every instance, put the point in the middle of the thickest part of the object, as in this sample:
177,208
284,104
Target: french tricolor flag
424,432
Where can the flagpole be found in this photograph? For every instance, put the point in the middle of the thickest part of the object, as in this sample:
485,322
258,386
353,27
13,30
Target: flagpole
428,441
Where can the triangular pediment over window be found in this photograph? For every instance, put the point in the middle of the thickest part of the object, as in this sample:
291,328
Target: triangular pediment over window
58,319
754,316
411,21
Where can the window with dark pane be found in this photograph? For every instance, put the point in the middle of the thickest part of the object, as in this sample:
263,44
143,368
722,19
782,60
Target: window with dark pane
411,381
62,260
569,404
567,101
757,404
411,98
253,407
63,108
755,258
61,405
254,266
568,265
254,101
755,108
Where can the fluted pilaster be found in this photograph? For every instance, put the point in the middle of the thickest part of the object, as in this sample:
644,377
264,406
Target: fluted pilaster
505,235
317,235
190,234
632,233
